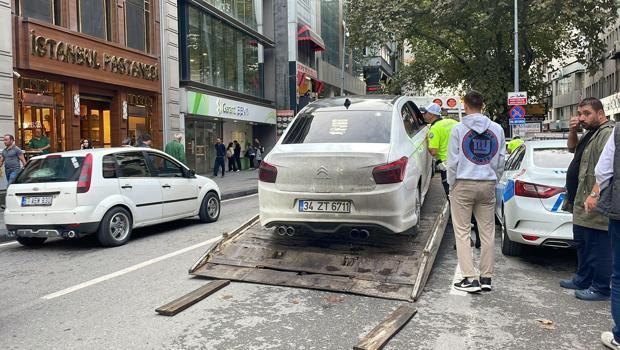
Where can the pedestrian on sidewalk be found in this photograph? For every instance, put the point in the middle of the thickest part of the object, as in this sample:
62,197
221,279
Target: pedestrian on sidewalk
476,157
237,155
606,200
175,148
126,142
251,153
260,150
230,152
593,243
12,157
220,154
85,144
145,140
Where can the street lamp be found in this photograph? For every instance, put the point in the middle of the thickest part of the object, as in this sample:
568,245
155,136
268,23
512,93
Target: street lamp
516,47
344,51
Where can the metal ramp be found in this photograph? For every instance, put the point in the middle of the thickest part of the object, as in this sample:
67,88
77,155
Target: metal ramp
384,266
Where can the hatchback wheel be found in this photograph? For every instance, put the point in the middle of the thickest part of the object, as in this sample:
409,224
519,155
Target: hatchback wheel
31,241
509,248
115,228
210,208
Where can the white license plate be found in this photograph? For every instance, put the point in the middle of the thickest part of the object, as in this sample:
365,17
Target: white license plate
306,206
36,201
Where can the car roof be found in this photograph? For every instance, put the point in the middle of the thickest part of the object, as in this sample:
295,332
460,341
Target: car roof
546,143
358,103
98,151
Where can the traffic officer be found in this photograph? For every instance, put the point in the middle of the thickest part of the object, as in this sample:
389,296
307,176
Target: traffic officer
514,143
438,138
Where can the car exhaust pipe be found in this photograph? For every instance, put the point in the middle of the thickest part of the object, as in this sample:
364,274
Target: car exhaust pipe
281,230
290,231
71,234
355,233
364,234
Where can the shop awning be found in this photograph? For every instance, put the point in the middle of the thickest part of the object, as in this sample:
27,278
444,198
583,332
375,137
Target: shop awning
306,34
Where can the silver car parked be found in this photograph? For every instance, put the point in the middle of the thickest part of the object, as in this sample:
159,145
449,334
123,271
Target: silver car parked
352,164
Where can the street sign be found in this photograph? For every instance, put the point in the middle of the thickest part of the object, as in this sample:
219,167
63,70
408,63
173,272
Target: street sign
516,115
517,98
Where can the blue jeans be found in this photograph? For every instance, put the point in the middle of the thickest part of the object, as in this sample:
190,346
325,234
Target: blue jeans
614,232
11,174
593,259
219,163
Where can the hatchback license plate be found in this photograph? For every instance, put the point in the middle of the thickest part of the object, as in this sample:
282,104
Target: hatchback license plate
36,201
324,206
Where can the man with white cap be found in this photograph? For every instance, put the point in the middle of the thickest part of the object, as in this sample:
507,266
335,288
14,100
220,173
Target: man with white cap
438,138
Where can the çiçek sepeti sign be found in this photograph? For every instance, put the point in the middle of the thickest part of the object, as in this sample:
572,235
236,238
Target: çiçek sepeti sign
66,52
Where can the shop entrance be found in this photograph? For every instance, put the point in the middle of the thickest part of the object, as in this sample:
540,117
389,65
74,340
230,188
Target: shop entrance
200,136
95,120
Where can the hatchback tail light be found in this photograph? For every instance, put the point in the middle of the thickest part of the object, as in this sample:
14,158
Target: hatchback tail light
390,173
527,189
267,172
86,173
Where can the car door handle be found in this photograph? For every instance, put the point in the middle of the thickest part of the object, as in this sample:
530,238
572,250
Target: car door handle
166,186
127,186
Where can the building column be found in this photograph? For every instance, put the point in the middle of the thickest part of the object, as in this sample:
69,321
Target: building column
171,96
7,120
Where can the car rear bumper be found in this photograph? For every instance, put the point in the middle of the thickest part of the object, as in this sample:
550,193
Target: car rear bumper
550,229
50,231
388,208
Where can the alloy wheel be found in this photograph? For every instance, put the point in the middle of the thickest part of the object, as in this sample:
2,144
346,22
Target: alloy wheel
119,226
213,207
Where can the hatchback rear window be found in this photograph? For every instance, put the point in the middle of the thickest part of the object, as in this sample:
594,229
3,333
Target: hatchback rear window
51,169
552,158
340,127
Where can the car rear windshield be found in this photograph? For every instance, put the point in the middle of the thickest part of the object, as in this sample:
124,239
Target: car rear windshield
51,169
553,158
340,127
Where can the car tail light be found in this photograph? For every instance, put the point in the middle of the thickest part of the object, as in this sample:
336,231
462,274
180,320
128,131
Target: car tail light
267,172
390,173
86,173
529,237
526,189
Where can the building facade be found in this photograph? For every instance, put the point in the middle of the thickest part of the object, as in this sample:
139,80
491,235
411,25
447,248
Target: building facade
380,64
86,70
566,91
226,75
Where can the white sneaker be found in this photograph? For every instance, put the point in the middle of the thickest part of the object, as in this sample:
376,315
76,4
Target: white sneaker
607,338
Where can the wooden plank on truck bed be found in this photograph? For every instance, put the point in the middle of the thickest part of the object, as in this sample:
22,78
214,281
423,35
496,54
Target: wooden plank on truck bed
380,335
191,298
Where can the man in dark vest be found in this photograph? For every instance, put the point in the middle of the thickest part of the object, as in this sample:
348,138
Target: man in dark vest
606,199
591,281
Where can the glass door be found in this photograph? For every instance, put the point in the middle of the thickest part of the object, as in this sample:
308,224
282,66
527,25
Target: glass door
95,122
200,138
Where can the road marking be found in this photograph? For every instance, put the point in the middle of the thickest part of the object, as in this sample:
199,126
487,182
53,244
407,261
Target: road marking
128,269
9,243
234,199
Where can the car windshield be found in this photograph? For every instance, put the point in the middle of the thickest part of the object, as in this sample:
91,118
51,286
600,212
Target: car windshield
51,169
340,127
553,158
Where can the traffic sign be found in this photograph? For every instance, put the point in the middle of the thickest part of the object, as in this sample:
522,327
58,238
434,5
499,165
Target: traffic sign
517,98
517,115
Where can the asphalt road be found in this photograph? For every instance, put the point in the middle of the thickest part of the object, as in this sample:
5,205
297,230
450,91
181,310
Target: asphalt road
76,295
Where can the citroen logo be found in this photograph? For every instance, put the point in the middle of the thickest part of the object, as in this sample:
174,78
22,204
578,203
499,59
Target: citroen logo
321,173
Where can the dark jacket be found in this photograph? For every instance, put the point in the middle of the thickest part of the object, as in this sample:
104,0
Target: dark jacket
237,151
220,150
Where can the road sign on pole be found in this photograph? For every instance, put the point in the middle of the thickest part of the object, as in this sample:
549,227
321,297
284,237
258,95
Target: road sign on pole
517,98
516,115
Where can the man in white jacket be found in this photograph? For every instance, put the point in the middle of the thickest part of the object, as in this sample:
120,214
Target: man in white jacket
476,157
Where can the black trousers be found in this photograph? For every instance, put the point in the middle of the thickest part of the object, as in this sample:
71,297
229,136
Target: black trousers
237,160
219,163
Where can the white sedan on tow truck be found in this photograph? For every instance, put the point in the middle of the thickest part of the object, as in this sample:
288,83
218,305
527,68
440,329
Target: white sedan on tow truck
107,192
530,195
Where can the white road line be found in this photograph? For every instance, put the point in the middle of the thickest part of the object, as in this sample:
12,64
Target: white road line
244,197
9,243
129,269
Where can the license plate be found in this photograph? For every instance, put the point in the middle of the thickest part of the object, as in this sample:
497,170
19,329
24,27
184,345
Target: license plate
36,201
306,206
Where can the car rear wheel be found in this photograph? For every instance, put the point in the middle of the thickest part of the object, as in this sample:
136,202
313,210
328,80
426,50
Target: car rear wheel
31,241
509,248
210,208
418,210
115,228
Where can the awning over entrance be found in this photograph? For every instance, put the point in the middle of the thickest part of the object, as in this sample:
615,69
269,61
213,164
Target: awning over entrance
306,34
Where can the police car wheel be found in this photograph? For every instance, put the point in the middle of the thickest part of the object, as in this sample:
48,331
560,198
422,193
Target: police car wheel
509,248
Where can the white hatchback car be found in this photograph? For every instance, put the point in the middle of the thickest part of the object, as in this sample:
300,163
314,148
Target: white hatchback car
353,164
530,195
107,191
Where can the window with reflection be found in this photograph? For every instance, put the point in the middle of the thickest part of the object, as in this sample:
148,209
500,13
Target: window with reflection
248,12
138,24
95,18
43,10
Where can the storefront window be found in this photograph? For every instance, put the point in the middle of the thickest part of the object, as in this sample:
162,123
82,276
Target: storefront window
95,17
40,111
246,11
43,10
222,56
140,113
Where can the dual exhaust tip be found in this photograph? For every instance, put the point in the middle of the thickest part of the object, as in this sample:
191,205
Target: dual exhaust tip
359,234
285,231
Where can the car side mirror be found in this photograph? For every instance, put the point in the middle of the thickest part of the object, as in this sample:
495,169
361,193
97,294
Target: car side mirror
189,173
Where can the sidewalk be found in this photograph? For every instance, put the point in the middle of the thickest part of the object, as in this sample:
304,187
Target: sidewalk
232,185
